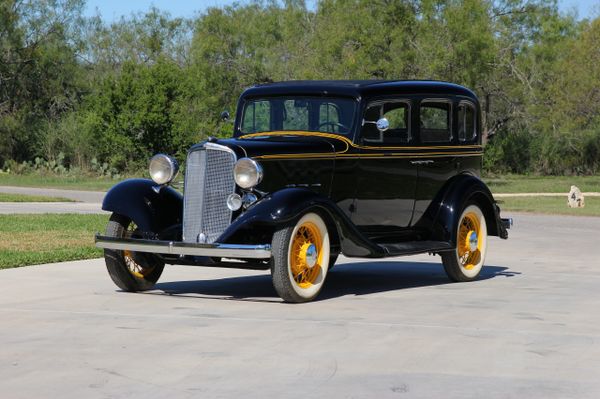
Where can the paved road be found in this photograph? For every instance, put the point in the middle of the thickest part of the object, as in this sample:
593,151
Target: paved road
530,328
50,207
89,201
75,195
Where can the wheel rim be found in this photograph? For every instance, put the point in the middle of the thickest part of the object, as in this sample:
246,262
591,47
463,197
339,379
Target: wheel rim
129,257
306,255
470,241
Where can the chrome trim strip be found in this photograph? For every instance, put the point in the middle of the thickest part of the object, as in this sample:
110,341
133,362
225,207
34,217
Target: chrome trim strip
239,251
219,147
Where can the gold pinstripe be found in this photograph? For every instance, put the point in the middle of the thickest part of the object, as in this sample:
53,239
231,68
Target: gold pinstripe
477,150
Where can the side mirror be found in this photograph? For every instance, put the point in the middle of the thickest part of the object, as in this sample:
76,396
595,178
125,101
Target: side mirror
225,116
383,124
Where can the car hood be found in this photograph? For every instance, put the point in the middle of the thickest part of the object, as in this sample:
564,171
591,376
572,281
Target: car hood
283,145
291,159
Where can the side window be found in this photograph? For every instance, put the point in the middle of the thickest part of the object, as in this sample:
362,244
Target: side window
329,118
466,122
398,115
257,117
434,121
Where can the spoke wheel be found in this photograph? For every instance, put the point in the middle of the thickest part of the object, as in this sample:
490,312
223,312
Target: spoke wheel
130,271
466,261
301,256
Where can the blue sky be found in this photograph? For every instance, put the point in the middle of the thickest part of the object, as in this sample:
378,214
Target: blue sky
113,9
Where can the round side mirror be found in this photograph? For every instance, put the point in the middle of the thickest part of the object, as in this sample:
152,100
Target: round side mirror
383,124
225,116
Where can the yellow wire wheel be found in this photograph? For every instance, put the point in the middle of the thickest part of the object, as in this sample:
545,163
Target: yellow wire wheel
301,256
135,268
466,261
130,271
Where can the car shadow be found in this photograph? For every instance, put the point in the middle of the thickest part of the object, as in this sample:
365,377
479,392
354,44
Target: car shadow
359,278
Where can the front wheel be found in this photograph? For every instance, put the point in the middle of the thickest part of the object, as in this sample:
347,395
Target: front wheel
300,259
130,271
464,263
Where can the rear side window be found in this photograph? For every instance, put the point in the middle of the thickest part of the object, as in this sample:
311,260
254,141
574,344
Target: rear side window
466,122
435,122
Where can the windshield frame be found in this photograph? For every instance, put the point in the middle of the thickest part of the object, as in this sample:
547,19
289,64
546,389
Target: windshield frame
352,118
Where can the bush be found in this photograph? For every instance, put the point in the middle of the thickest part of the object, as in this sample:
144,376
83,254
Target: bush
508,153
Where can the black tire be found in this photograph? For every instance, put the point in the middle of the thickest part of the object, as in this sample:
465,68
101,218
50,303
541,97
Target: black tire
294,280
140,275
465,263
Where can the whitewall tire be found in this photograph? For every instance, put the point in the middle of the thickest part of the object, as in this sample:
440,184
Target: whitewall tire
300,259
465,262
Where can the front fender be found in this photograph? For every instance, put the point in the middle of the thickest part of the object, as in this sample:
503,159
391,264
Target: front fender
285,206
446,209
137,199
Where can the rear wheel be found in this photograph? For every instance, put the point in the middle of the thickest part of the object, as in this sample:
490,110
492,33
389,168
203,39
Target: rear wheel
130,271
300,259
464,263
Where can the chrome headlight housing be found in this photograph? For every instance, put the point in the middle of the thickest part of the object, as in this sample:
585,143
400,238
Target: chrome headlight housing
247,173
163,169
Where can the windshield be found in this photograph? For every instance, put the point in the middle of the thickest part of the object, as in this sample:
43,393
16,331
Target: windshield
332,115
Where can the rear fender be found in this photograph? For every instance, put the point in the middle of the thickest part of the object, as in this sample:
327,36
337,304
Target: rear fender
152,208
445,210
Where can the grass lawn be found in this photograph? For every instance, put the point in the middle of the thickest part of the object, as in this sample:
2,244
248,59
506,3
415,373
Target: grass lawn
64,182
30,198
549,205
541,184
36,239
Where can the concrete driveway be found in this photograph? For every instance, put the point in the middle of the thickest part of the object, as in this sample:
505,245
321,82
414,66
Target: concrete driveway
530,328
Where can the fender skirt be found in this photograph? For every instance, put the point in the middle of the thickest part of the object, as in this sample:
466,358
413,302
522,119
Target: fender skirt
151,207
285,206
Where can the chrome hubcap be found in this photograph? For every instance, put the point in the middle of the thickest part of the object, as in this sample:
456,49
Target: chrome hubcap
311,255
473,241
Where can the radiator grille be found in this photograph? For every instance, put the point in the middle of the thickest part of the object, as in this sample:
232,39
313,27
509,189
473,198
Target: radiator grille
208,182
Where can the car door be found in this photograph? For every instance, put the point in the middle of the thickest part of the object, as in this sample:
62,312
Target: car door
435,136
386,178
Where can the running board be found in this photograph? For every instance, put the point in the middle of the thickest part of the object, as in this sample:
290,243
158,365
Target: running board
416,247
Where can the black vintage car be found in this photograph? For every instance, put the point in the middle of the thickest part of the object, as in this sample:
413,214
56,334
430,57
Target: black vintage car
315,169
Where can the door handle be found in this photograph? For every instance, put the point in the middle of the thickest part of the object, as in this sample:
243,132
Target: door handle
423,162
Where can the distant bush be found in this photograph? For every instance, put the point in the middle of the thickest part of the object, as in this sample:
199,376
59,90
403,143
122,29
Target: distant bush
508,153
57,167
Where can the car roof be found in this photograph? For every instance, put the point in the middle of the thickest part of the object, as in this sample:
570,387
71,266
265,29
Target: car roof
358,88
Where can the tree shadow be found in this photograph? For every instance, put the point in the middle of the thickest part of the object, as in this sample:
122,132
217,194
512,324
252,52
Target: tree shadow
360,278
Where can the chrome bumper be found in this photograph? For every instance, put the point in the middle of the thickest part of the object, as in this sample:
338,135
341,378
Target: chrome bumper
236,251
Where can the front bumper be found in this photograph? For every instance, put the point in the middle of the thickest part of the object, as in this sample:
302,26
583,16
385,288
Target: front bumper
235,251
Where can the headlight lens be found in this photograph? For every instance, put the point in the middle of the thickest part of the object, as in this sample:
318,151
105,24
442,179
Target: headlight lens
163,168
234,202
247,173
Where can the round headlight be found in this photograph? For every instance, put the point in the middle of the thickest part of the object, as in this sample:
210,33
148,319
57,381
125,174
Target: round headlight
247,173
163,168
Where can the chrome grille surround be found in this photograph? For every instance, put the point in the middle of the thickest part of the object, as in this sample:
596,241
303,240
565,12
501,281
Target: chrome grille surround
208,182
